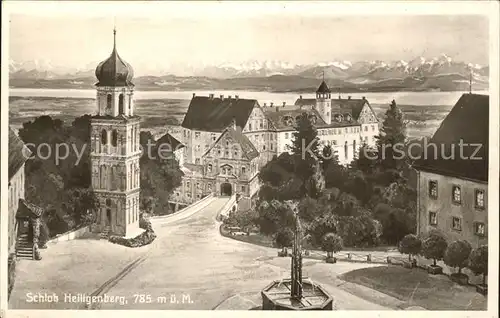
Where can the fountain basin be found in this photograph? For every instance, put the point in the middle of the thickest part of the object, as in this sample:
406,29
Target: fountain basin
276,296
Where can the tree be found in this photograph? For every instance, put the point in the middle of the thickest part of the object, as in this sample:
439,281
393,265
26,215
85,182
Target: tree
331,243
478,261
366,160
434,247
328,156
392,134
411,245
284,239
305,152
320,226
457,254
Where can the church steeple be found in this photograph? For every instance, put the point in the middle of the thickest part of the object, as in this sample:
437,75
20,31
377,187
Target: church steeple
114,71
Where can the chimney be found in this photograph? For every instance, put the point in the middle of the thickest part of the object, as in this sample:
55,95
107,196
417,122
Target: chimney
221,96
272,104
348,97
194,95
277,109
265,104
284,103
228,96
237,97
300,97
211,96
364,98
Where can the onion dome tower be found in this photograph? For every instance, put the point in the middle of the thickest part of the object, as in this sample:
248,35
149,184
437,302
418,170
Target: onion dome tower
115,150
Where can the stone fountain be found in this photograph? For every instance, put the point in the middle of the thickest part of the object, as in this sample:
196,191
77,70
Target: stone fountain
296,293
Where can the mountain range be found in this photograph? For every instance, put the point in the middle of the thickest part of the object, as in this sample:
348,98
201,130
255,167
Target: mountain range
439,73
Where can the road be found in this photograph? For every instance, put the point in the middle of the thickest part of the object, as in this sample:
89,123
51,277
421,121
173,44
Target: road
189,266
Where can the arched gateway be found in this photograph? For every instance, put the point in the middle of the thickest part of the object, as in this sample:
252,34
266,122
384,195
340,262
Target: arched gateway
226,189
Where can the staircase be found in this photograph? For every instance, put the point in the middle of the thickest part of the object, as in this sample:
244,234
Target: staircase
24,248
105,233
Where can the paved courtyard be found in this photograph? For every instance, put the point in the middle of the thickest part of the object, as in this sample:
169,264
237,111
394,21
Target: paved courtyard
189,266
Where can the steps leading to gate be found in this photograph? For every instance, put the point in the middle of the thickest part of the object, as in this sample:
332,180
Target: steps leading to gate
105,233
24,248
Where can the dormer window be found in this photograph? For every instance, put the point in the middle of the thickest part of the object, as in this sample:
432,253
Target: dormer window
313,119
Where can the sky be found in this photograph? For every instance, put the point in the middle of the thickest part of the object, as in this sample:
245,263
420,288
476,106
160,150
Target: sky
163,38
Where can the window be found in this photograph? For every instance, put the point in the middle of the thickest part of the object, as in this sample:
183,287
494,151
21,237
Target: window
456,194
188,184
249,126
104,136
457,224
185,133
243,188
120,105
227,153
433,189
271,146
479,199
114,138
197,161
209,187
197,135
373,127
243,170
198,147
227,143
345,149
261,125
479,229
433,218
286,135
235,154
214,137
209,168
218,152
197,185
108,101
263,147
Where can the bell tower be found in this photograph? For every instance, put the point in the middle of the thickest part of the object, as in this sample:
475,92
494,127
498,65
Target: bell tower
324,101
115,150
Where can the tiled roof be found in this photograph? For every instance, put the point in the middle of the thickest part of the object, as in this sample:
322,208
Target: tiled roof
215,114
18,153
467,121
28,210
248,149
354,105
170,140
305,101
278,117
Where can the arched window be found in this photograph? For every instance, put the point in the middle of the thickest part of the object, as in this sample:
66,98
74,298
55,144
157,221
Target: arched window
209,168
354,148
120,105
345,149
114,138
108,202
108,101
104,137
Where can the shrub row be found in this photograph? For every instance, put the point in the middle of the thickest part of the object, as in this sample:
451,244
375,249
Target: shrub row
145,238
458,254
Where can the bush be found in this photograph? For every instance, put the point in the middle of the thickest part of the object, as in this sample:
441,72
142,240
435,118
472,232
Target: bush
457,254
145,238
434,247
411,245
331,243
284,238
44,234
12,274
478,261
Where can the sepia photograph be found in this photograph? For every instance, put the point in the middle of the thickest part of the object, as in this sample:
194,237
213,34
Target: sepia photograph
249,156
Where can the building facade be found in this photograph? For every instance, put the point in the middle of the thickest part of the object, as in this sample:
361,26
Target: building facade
265,132
18,154
453,190
115,148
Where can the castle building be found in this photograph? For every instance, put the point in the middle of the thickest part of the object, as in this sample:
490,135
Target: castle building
115,148
229,139
18,155
452,189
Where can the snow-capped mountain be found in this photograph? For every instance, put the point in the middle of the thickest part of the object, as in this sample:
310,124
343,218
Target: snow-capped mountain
442,69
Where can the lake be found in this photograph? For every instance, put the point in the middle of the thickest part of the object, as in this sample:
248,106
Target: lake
401,98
